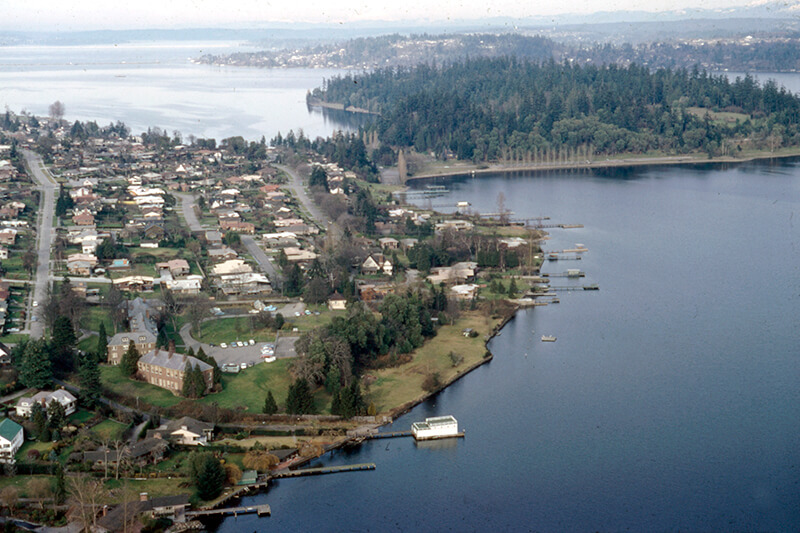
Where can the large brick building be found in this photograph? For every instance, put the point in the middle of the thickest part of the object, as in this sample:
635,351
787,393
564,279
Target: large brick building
144,341
167,369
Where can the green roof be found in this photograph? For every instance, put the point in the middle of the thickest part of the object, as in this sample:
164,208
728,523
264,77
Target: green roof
9,429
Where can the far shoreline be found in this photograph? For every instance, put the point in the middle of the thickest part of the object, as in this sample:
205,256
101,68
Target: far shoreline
608,163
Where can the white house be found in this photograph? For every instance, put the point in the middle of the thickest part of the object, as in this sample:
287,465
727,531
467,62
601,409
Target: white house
435,428
11,437
45,398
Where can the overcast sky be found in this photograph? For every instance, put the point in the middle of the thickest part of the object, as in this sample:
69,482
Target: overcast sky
61,15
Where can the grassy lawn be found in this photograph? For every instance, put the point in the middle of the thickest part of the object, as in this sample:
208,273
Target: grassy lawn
231,329
80,416
112,377
309,322
718,117
20,482
155,488
249,387
88,344
13,338
93,316
43,447
109,429
396,386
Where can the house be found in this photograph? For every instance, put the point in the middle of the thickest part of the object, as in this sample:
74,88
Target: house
135,283
376,263
213,238
464,292
5,355
244,283
337,302
191,285
388,243
167,369
455,224
154,231
176,267
128,517
3,252
146,451
238,226
144,341
296,255
8,236
222,254
232,266
457,273
25,405
11,438
79,268
83,218
186,431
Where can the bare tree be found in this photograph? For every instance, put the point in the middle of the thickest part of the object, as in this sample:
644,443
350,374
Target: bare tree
57,110
86,493
9,497
39,488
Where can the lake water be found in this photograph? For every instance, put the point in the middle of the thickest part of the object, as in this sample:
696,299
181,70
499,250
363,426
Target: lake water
154,84
669,402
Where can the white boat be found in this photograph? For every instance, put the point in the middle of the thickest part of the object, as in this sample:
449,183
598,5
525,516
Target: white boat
548,338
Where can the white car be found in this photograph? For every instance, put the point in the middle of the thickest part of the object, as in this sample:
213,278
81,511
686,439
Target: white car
35,303
243,366
268,358
251,342
223,345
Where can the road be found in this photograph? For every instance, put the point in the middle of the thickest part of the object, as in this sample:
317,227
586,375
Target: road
295,184
47,186
187,209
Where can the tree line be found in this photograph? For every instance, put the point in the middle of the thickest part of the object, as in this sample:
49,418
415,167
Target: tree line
489,109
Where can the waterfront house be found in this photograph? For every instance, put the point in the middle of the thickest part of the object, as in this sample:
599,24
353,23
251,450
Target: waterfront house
129,517
11,438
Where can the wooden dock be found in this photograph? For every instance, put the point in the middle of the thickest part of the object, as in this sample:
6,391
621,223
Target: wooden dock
322,470
260,510
389,435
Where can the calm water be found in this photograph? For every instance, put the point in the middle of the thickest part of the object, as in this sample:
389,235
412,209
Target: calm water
154,84
669,402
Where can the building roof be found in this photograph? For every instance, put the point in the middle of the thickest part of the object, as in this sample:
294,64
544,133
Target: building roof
174,361
9,429
189,424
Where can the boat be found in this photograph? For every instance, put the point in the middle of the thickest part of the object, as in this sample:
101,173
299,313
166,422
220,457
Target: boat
594,287
548,338
553,257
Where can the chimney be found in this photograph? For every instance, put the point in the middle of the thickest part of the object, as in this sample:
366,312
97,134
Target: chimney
105,510
184,358
171,349
142,496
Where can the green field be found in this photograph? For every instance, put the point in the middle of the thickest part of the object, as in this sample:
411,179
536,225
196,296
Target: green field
249,387
219,330
109,429
113,378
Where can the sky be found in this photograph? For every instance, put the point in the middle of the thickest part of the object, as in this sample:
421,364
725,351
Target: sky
70,15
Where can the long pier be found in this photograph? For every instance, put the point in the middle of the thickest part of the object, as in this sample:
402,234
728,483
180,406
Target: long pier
322,470
260,510
389,435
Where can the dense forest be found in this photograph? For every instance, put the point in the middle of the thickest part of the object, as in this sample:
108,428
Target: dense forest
514,109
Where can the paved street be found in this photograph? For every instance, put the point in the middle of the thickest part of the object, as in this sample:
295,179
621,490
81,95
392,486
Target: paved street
48,187
295,184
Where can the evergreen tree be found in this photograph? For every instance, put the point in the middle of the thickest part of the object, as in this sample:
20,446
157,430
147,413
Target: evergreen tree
512,288
56,416
319,178
39,418
62,344
207,474
36,370
89,378
101,351
130,360
270,406
194,383
60,488
299,400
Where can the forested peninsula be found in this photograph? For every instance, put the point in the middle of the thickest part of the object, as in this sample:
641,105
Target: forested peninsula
510,109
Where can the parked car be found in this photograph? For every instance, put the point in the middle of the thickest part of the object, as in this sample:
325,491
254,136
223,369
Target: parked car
251,342
223,345
243,366
268,358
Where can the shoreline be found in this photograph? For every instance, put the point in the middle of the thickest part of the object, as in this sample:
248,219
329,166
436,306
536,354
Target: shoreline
312,102
608,163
